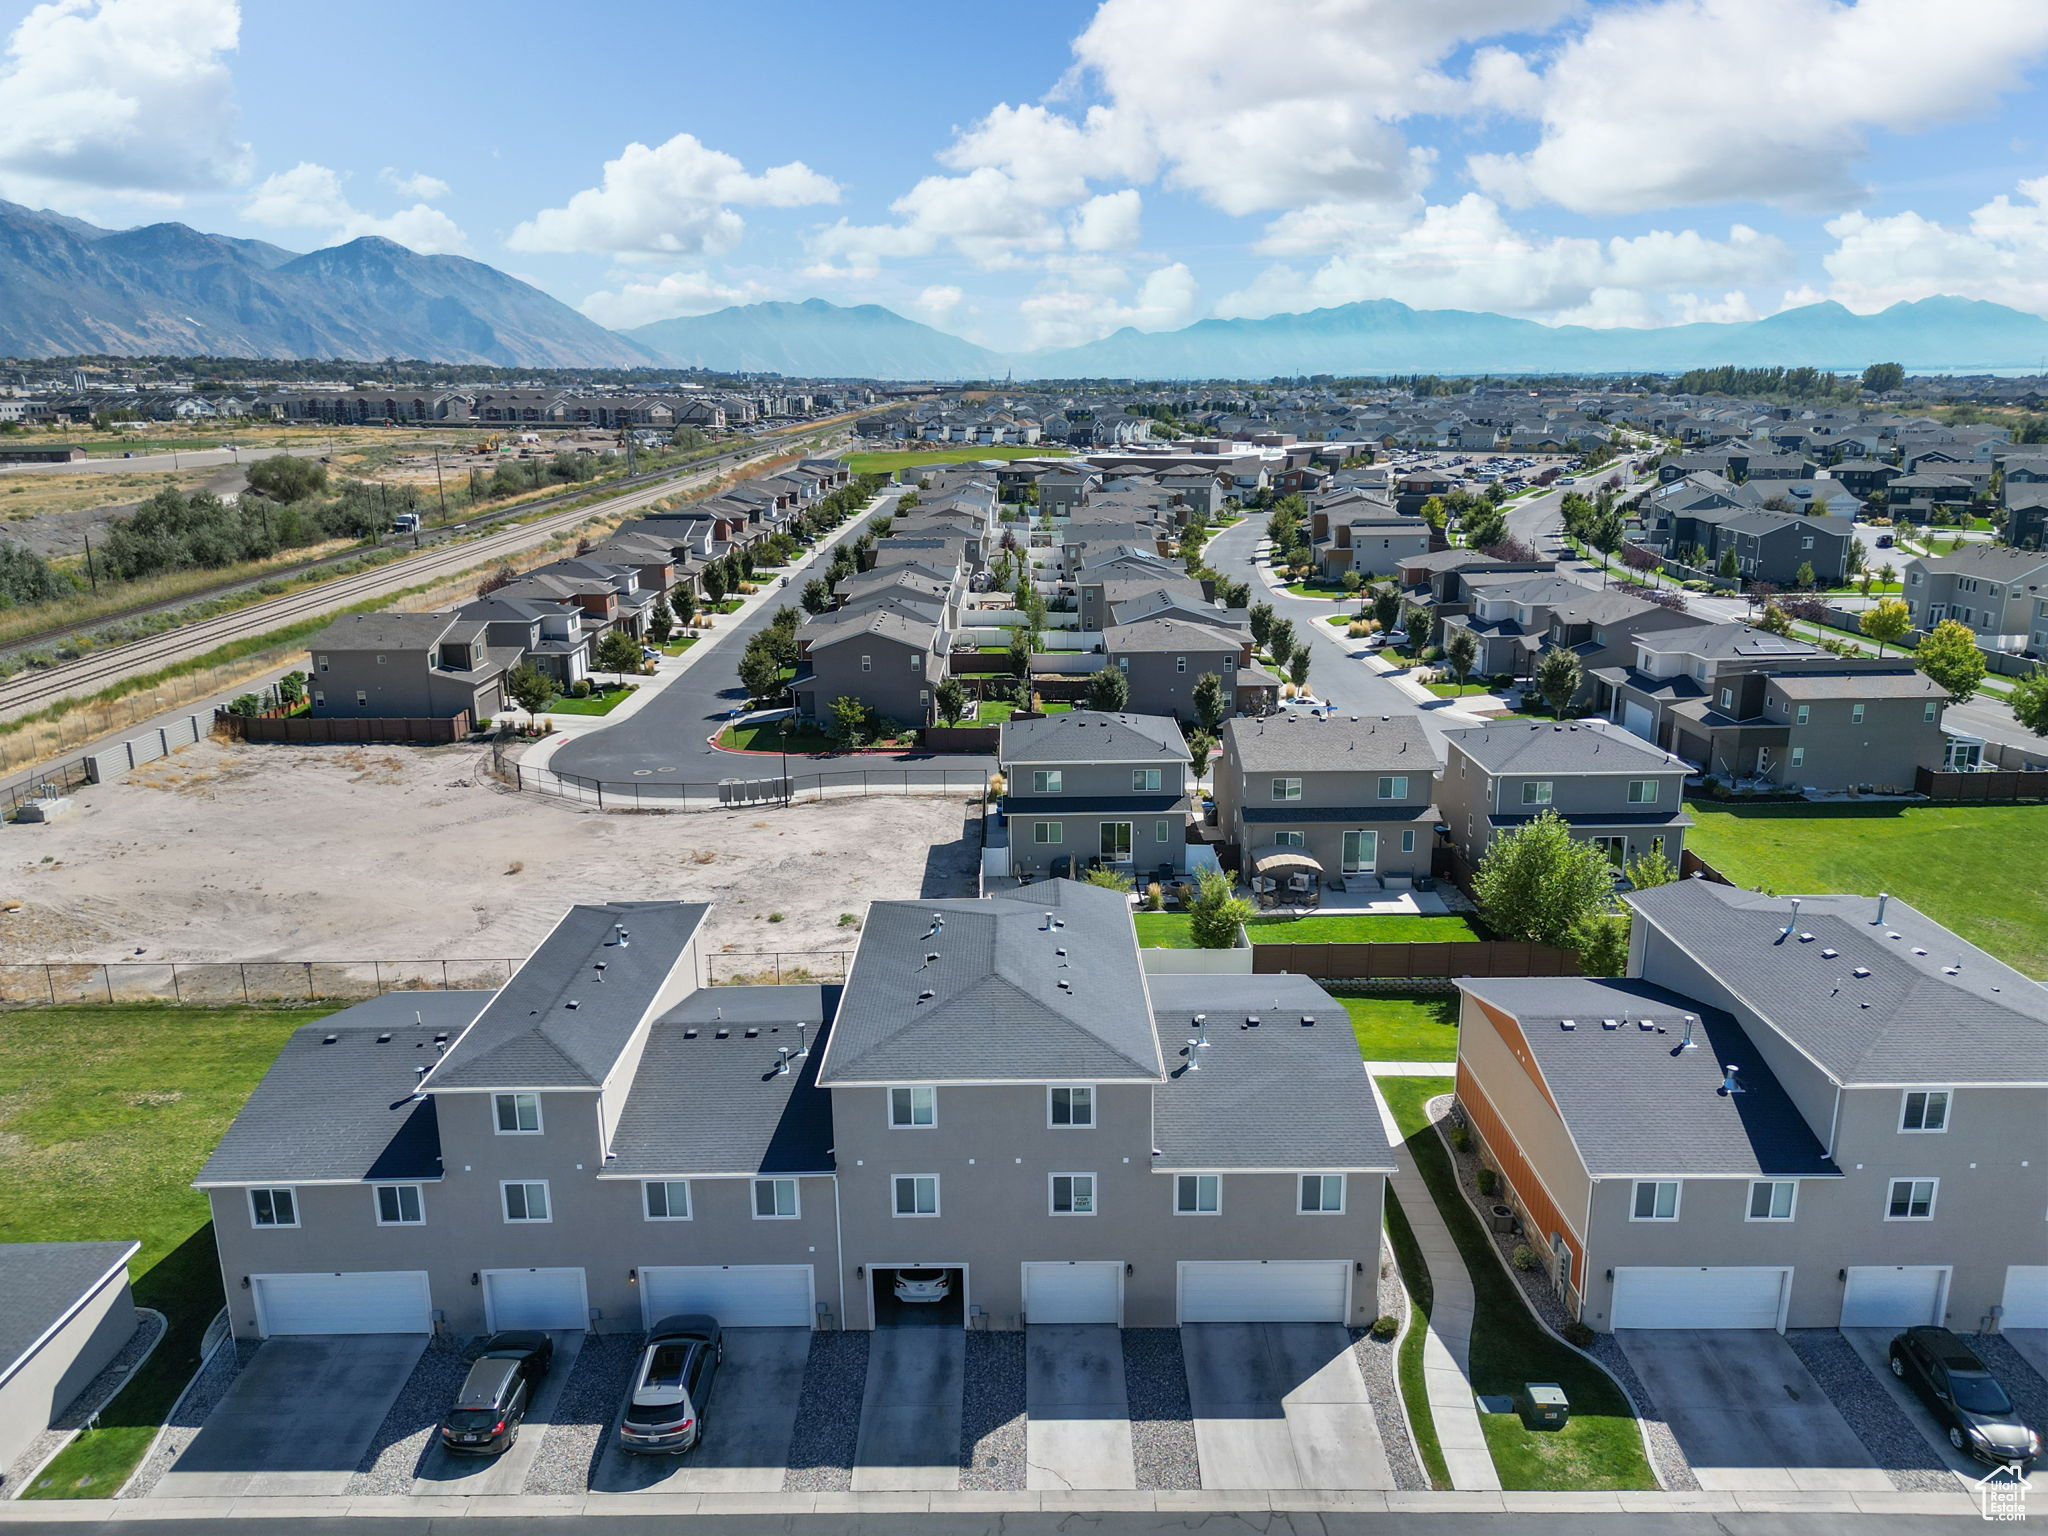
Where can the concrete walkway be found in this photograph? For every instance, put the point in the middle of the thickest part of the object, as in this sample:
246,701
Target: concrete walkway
1447,1348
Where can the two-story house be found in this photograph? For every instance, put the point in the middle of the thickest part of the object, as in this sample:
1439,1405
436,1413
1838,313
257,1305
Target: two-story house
1812,1112
408,666
888,657
1355,795
1164,658
1087,788
1989,587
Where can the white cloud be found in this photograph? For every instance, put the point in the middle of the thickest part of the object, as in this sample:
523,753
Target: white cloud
2000,254
1065,317
1702,101
642,300
120,97
938,302
671,200
1109,222
419,186
310,196
1465,255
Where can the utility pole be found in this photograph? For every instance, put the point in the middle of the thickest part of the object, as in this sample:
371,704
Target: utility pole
440,489
91,574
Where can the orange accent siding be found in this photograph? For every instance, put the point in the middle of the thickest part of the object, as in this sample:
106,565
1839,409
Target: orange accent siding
1507,1154
1506,1026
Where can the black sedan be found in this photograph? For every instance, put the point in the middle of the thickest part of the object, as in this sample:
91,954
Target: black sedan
1965,1397
497,1394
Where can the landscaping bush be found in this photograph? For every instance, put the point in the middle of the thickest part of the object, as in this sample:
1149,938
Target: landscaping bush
1385,1326
1488,1181
580,689
1577,1334
1461,1138
1523,1258
1155,900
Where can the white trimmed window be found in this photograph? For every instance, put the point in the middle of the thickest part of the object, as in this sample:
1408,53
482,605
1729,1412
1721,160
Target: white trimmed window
1048,832
1393,786
667,1199
1073,1194
913,1108
525,1199
1144,779
1536,792
1642,791
1655,1200
1322,1194
1045,781
1070,1109
1287,789
1911,1200
273,1208
1924,1110
1802,714
775,1200
516,1114
1197,1194
917,1194
1855,714
1290,839
1930,712
399,1205
1772,1199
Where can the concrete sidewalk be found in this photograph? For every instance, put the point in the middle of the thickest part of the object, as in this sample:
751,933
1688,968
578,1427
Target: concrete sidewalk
1446,1351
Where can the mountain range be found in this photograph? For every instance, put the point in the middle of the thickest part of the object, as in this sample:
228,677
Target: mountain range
69,287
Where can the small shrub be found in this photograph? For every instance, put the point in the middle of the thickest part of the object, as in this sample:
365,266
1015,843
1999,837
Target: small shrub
1578,1334
1523,1258
1461,1138
1155,900
580,689
515,866
848,920
1488,1181
1385,1327
774,917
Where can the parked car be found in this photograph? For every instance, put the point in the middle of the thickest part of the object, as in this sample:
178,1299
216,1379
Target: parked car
497,1394
664,1413
922,1286
1964,1396
1884,541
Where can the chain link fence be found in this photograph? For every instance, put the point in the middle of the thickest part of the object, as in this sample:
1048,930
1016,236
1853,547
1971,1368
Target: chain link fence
219,983
654,792
778,967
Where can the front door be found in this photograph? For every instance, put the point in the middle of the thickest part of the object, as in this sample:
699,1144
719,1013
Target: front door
1116,842
1361,852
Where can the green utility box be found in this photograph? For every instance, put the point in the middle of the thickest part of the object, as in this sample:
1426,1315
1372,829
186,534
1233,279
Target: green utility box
1544,1405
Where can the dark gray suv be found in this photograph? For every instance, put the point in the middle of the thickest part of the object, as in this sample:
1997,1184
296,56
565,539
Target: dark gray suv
498,1393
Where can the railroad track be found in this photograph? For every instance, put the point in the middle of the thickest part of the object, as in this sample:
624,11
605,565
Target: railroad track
29,690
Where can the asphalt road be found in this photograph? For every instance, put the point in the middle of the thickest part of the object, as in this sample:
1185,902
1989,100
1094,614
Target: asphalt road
195,458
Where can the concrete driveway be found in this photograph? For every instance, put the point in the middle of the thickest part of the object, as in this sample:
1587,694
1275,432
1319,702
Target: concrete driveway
1077,1419
1281,1405
1874,1345
747,1426
1748,1414
298,1418
441,1472
910,1414
2032,1343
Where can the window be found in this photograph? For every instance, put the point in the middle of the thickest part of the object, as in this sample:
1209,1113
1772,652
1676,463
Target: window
1073,1194
1656,1200
1114,841
1394,787
1180,663
1727,698
1287,789
1197,1194
1322,1194
380,661
1162,831
1290,839
518,1113
1911,1200
1070,1108
320,663
1924,1110
667,1200
1408,840
917,1194
398,1205
913,1108
1799,757
1048,832
1536,792
362,699
525,1199
1361,852
1642,791
1772,1199
916,662
775,1200
1144,779
1930,711
1045,781
273,1208
867,663
319,699
1855,714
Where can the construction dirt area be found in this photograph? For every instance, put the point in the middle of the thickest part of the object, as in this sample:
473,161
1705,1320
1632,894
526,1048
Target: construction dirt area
236,852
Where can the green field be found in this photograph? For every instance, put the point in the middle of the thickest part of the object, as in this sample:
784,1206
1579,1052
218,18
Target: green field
1416,1026
955,453
1169,930
603,701
106,1115
766,736
1980,869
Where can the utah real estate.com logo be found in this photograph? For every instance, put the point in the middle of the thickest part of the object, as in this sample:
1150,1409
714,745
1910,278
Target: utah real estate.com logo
2002,1494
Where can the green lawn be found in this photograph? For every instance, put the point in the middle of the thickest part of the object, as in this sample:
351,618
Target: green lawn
766,736
1169,930
1333,591
1601,1447
678,646
1980,869
602,702
1456,690
105,1117
1421,1298
963,453
1419,1026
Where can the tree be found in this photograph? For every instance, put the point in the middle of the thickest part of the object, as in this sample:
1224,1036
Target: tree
713,581
1602,943
618,653
1280,641
1887,623
851,720
1210,702
1020,652
529,687
1217,912
1950,656
1200,745
1462,652
1880,378
1109,690
284,478
760,670
291,688
1640,560
951,701
1558,675
1297,669
1804,578
1775,620
503,576
1261,620
659,625
1484,525
1646,871
1726,566
1386,606
2029,700
1539,883
817,595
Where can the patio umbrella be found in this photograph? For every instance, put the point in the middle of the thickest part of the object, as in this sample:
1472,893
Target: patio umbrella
1276,859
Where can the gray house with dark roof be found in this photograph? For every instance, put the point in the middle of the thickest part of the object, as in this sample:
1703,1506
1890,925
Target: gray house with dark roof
1086,789
408,666
67,1313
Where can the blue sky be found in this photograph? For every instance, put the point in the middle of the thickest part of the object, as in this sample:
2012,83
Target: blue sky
1041,175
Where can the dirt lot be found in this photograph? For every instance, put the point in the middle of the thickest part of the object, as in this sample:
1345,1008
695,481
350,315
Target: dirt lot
239,852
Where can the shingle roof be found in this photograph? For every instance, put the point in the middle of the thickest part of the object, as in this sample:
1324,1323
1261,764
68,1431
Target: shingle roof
1090,736
1171,635
1583,746
1290,743
1709,641
830,629
44,1283
338,1101
1989,560
1635,1101
1856,685
708,1097
1907,1021
1005,1003
1282,1095
573,1006
382,631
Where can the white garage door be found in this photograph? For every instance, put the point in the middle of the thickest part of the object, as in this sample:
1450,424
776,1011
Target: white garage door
535,1298
1637,720
1889,1296
1265,1291
1691,1297
381,1301
2026,1296
738,1295
1074,1293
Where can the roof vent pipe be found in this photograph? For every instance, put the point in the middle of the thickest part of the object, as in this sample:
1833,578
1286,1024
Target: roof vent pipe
1793,921
1688,1043
1728,1083
1883,897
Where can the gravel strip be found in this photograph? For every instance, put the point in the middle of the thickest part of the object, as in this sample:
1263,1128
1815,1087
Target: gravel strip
1673,1471
208,1388
828,1415
1899,1449
97,1393
1162,1418
2023,1384
992,1435
584,1413
1377,1364
392,1461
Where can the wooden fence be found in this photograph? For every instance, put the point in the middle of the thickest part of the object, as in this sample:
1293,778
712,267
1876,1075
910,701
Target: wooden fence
1691,866
1991,784
1360,962
322,729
